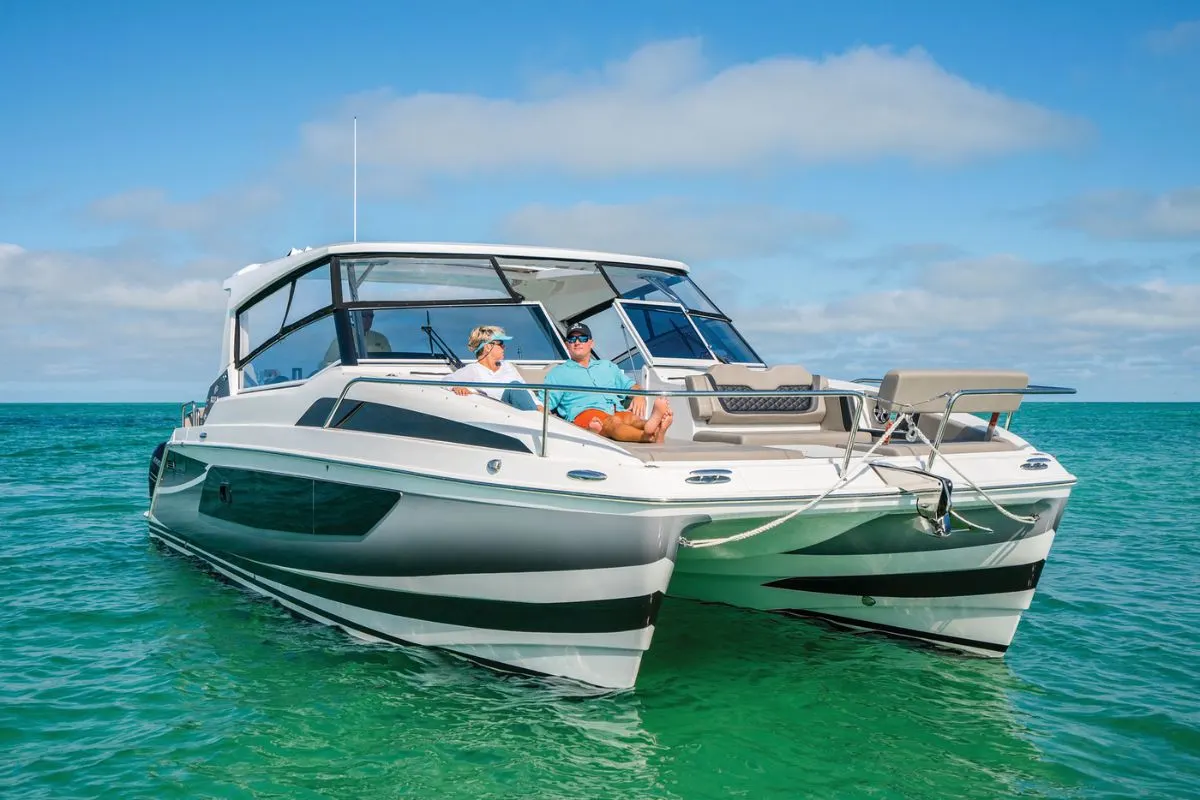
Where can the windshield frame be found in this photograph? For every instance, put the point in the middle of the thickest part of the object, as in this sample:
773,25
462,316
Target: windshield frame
746,342
712,310
647,354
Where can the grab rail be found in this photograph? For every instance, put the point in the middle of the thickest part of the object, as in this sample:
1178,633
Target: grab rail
860,398
545,389
192,413
1034,389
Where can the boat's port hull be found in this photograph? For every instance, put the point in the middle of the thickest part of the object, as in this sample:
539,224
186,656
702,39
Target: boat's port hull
885,573
569,594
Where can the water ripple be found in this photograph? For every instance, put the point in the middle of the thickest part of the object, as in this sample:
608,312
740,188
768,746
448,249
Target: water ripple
128,672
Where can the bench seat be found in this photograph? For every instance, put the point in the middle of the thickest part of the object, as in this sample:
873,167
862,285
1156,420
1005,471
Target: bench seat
766,438
704,451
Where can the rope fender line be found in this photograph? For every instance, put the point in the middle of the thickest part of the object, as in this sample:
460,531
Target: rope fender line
850,476
839,483
1014,517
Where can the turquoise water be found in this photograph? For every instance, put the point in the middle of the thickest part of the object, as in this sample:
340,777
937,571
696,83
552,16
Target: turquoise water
126,671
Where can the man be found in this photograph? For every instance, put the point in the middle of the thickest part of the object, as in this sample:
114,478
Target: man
600,413
376,341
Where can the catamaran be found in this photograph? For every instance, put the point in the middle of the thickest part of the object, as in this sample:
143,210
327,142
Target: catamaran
331,470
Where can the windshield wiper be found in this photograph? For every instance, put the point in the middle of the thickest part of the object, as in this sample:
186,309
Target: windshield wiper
435,339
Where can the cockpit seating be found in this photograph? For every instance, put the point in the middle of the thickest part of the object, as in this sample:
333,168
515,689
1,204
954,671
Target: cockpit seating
925,393
767,420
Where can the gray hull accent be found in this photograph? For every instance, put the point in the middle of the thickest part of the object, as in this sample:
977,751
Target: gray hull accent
435,536
897,534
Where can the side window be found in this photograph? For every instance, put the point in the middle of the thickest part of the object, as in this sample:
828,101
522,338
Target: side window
285,306
295,357
262,320
312,293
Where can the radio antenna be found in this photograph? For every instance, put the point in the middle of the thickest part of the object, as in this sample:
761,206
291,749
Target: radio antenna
356,179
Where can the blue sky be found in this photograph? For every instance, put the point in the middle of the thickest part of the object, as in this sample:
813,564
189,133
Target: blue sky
873,186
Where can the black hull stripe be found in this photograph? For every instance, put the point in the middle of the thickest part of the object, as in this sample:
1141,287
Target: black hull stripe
895,630
584,616
995,580
366,417
334,618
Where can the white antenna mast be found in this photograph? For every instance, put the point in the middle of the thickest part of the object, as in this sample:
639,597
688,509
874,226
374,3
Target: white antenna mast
356,179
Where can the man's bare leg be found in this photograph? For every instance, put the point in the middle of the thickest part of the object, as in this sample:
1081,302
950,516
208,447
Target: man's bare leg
622,429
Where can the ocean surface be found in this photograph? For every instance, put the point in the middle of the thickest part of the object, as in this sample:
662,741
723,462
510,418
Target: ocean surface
127,671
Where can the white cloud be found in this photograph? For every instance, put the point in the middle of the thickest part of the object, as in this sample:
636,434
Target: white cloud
661,110
1174,39
1124,214
981,294
151,208
1060,322
81,317
670,228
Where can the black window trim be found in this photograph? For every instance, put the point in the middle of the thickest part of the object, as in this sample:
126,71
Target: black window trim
267,291
727,320
680,273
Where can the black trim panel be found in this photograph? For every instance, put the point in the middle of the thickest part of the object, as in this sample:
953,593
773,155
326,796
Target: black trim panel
995,580
179,469
355,415
585,616
907,633
293,504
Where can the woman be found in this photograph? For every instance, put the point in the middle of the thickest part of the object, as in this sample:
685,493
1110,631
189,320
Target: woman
487,342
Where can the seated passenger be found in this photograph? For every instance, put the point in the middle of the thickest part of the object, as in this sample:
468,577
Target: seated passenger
489,366
376,341
600,413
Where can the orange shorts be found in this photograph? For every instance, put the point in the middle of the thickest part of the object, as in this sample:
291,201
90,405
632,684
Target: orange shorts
586,416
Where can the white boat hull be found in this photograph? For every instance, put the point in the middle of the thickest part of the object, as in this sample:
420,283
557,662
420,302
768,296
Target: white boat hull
561,593
885,573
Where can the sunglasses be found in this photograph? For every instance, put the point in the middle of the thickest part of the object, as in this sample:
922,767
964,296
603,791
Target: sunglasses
574,339
496,341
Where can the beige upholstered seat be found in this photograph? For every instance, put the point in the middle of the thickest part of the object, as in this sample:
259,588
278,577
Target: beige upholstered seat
813,437
700,451
927,390
776,411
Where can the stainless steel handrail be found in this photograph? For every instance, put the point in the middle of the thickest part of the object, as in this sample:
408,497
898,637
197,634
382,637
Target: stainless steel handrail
188,410
1033,390
852,434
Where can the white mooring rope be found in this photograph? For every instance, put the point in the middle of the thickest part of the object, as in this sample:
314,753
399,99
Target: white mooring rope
842,481
849,476
972,484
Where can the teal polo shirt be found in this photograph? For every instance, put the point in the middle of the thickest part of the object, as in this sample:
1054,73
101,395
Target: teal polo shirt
598,372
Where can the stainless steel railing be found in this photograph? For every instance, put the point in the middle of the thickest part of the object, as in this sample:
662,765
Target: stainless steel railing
859,399
954,397
192,413
545,389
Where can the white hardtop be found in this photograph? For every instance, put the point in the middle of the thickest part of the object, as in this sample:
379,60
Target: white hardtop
251,279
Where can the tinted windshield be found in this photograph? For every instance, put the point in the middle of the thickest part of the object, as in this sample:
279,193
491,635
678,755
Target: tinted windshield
725,341
667,332
400,332
642,283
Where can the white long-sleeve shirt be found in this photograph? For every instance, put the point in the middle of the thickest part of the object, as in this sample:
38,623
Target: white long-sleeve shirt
478,373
